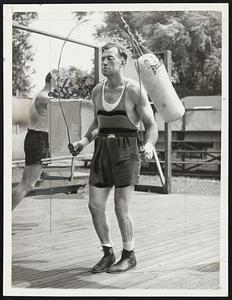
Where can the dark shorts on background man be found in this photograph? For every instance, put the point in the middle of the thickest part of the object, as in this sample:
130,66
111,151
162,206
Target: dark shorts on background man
115,162
36,147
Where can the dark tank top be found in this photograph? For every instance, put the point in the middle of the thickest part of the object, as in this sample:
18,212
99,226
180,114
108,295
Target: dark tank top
115,120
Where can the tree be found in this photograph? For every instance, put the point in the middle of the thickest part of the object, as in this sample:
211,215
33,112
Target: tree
22,54
193,37
72,82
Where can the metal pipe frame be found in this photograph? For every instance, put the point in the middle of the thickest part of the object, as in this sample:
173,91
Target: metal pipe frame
56,36
45,33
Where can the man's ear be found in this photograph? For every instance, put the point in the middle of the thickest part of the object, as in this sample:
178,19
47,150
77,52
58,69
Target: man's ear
123,62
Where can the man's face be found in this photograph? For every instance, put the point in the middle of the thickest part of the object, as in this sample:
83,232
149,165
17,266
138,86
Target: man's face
111,62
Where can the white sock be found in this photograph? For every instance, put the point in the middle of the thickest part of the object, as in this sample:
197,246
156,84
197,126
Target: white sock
128,246
107,245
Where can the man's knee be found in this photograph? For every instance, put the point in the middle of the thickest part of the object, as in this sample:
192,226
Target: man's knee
121,211
26,185
96,208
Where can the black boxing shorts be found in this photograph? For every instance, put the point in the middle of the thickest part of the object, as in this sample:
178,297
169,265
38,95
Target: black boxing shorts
115,162
36,147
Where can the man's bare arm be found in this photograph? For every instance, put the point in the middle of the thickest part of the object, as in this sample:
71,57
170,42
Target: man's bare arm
145,112
91,132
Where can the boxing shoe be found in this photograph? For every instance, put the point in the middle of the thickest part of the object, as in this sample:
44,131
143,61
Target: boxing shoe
107,260
127,262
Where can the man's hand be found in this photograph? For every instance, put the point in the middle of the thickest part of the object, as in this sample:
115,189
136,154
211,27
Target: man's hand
147,151
77,147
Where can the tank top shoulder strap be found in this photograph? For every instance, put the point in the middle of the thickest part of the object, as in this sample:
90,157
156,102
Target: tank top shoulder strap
100,106
122,100
121,103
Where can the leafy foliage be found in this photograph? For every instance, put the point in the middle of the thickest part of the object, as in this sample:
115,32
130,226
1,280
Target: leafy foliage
22,54
72,83
80,15
194,37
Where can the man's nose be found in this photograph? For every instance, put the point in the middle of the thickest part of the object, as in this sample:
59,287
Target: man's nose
105,65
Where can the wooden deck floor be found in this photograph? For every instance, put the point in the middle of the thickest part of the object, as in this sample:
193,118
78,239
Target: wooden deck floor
177,243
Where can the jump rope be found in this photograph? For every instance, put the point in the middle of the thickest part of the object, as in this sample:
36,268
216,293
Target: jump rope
135,48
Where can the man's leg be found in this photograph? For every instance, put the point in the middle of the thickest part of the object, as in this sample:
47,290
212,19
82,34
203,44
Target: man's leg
122,200
125,222
30,176
97,206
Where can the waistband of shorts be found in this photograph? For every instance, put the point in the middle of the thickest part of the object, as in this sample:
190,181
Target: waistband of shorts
121,134
36,131
111,133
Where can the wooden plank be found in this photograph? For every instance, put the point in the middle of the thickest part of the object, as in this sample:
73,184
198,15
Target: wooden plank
55,190
171,244
192,151
149,188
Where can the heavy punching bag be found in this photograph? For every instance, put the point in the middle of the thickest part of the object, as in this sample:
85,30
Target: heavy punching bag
159,87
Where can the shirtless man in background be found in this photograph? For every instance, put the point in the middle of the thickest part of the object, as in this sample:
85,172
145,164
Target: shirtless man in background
36,144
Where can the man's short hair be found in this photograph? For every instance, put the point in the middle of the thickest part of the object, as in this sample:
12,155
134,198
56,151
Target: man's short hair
121,50
48,78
